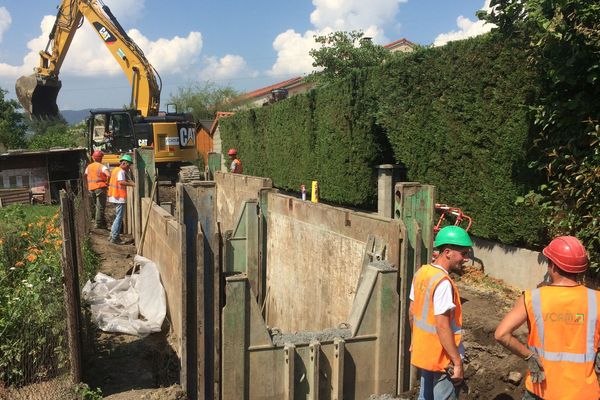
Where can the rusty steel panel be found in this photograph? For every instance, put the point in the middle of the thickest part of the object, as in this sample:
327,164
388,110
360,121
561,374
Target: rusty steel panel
15,196
352,361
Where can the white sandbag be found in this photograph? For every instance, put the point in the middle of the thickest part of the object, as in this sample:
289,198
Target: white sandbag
134,305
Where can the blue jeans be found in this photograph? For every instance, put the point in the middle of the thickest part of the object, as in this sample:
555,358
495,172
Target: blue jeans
116,226
436,386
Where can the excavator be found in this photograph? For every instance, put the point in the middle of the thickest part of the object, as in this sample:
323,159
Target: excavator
114,131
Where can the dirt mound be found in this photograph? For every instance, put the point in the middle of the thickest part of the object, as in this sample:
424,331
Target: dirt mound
491,371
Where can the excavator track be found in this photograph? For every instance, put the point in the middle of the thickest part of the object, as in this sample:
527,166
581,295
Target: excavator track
189,173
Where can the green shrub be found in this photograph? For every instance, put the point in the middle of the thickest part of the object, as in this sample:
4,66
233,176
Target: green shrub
457,117
32,317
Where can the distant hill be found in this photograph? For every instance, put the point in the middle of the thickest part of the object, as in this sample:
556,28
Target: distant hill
74,117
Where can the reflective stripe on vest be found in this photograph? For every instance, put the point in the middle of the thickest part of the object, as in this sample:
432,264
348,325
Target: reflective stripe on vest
563,325
590,352
96,179
114,189
427,351
422,322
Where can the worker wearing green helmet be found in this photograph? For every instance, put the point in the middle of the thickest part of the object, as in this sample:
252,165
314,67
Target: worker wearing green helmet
436,317
117,194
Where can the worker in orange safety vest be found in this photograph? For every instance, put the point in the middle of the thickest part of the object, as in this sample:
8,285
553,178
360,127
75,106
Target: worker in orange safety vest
436,317
97,175
561,351
117,194
236,164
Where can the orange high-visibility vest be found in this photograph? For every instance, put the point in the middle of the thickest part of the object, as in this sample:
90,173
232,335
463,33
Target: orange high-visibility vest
237,169
427,351
96,179
563,331
114,189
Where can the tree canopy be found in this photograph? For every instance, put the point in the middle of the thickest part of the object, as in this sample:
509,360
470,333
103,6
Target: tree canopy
12,123
341,52
203,100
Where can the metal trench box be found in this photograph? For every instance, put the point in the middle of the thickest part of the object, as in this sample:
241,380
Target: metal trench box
353,361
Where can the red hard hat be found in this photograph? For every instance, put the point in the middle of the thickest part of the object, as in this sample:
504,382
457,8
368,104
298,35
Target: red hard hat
567,253
97,155
232,152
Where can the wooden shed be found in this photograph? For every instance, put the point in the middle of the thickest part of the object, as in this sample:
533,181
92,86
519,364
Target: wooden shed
38,175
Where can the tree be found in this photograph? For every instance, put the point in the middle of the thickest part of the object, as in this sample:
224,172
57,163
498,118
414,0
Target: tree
12,123
563,39
50,134
204,100
341,52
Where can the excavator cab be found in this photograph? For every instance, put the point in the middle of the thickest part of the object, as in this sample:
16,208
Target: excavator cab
38,96
112,132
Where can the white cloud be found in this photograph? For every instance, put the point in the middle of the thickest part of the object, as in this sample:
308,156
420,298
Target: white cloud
467,29
88,56
332,15
169,56
292,53
227,67
5,21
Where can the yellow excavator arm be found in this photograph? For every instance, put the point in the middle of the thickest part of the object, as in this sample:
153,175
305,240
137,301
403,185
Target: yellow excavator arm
38,92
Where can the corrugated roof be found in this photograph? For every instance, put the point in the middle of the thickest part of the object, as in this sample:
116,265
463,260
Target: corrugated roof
15,196
26,152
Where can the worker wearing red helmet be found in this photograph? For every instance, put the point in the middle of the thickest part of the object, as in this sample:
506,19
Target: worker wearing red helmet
561,351
236,164
97,176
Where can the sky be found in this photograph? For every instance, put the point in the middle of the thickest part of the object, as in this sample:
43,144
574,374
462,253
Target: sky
243,44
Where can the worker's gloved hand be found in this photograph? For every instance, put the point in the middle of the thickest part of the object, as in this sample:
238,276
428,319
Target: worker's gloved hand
597,363
536,371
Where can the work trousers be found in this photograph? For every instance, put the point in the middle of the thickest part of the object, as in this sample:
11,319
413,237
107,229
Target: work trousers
436,386
98,201
115,230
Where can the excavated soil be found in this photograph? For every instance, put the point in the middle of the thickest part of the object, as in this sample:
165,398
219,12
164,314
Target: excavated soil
127,367
491,372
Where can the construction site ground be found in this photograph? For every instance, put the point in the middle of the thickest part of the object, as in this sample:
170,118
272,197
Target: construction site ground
126,367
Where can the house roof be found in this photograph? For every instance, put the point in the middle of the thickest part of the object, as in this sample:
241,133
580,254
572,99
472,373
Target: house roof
220,114
292,81
266,90
399,42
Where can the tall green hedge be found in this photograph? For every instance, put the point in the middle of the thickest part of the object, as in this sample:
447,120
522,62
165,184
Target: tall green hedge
328,135
456,116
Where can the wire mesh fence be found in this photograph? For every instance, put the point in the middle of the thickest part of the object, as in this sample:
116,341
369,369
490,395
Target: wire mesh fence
36,335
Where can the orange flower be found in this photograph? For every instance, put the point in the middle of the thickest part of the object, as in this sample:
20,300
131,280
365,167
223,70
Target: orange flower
1,241
31,257
46,241
19,264
24,234
58,242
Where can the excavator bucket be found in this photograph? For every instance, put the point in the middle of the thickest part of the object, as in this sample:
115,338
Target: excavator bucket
38,97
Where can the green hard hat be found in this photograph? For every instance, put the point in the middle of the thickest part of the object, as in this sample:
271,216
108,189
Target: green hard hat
452,235
126,157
